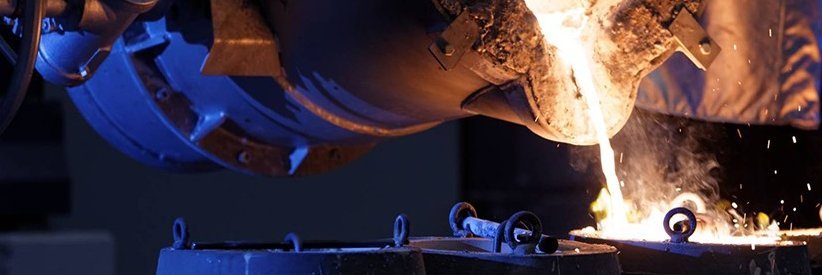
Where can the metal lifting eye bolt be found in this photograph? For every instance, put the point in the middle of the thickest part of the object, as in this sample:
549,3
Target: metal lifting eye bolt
683,230
464,223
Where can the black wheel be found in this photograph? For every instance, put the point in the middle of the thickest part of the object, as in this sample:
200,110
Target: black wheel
22,61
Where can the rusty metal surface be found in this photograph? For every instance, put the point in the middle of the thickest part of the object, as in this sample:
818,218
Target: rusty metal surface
243,43
695,258
693,40
455,41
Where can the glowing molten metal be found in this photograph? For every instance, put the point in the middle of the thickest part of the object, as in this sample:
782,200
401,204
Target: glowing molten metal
574,28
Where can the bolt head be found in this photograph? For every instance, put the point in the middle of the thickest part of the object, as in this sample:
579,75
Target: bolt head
244,157
705,47
448,49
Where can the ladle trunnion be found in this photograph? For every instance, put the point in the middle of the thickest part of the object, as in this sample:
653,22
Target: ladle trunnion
288,88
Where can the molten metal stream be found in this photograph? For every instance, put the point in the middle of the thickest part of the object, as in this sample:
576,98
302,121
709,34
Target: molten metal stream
565,28
566,34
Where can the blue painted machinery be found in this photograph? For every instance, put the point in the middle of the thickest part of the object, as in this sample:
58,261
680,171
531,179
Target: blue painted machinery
292,256
280,88
515,246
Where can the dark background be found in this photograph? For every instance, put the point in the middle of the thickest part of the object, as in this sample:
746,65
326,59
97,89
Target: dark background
417,175
499,167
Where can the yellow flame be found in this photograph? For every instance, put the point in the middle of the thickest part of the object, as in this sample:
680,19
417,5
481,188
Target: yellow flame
566,34
564,27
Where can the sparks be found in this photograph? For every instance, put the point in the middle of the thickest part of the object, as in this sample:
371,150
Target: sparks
566,35
566,29
734,205
794,139
809,186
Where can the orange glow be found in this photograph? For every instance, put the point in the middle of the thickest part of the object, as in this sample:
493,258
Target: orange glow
564,27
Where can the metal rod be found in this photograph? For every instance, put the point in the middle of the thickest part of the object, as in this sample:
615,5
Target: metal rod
488,229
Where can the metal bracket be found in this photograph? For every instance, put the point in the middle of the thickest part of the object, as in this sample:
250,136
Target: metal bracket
455,41
243,44
693,40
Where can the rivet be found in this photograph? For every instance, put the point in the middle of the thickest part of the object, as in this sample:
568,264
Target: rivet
705,47
244,157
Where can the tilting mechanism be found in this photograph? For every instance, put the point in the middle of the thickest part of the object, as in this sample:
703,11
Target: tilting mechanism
65,40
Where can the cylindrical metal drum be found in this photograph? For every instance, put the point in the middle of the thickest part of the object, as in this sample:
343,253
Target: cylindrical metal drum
644,257
290,257
287,88
514,246
327,260
679,256
452,255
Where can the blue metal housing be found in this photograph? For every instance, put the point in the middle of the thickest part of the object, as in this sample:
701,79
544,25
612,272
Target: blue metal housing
189,92
291,256
260,262
150,100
